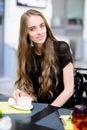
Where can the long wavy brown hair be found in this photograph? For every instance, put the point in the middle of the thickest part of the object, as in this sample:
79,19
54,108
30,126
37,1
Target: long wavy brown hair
24,54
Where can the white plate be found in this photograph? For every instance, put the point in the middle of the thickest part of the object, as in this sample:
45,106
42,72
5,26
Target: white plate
12,103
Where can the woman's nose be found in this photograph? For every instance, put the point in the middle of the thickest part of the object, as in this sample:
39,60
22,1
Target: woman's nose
39,31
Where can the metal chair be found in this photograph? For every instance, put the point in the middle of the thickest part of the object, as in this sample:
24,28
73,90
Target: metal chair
79,85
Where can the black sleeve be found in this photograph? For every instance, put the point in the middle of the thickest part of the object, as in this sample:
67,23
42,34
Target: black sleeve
63,52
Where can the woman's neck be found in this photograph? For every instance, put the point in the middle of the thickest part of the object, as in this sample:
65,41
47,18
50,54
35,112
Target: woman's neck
38,49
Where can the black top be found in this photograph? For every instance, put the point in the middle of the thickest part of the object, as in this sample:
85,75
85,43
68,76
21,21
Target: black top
64,56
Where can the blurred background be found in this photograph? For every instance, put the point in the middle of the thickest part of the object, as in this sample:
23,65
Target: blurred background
68,21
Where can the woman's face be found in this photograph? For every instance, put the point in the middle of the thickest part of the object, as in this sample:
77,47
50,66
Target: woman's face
36,29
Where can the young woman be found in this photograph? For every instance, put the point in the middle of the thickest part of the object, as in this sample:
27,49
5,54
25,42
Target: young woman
45,65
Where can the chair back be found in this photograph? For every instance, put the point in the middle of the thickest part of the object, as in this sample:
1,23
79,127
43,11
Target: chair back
79,84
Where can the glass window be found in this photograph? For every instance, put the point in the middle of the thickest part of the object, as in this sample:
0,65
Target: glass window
75,11
67,12
58,12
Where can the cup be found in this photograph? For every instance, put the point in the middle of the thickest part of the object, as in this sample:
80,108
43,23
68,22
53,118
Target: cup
24,101
79,117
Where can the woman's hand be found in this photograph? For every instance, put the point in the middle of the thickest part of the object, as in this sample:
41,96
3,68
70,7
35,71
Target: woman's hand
18,93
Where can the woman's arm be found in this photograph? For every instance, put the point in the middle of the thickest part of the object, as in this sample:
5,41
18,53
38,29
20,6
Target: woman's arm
68,79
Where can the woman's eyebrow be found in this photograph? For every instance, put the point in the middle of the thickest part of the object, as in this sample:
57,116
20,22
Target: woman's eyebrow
35,25
31,26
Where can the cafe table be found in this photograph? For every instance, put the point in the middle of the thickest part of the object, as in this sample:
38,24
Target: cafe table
41,117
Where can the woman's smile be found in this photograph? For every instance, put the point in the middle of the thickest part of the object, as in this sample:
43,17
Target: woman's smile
40,39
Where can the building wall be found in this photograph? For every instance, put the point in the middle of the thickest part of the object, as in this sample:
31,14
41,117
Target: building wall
1,36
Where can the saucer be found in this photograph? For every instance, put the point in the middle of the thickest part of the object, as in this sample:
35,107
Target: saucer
12,102
22,108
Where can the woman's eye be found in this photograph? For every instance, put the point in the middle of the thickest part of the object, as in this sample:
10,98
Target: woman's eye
32,29
42,25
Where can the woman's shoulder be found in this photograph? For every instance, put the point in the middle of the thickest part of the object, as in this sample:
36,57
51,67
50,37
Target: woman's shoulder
63,52
61,46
